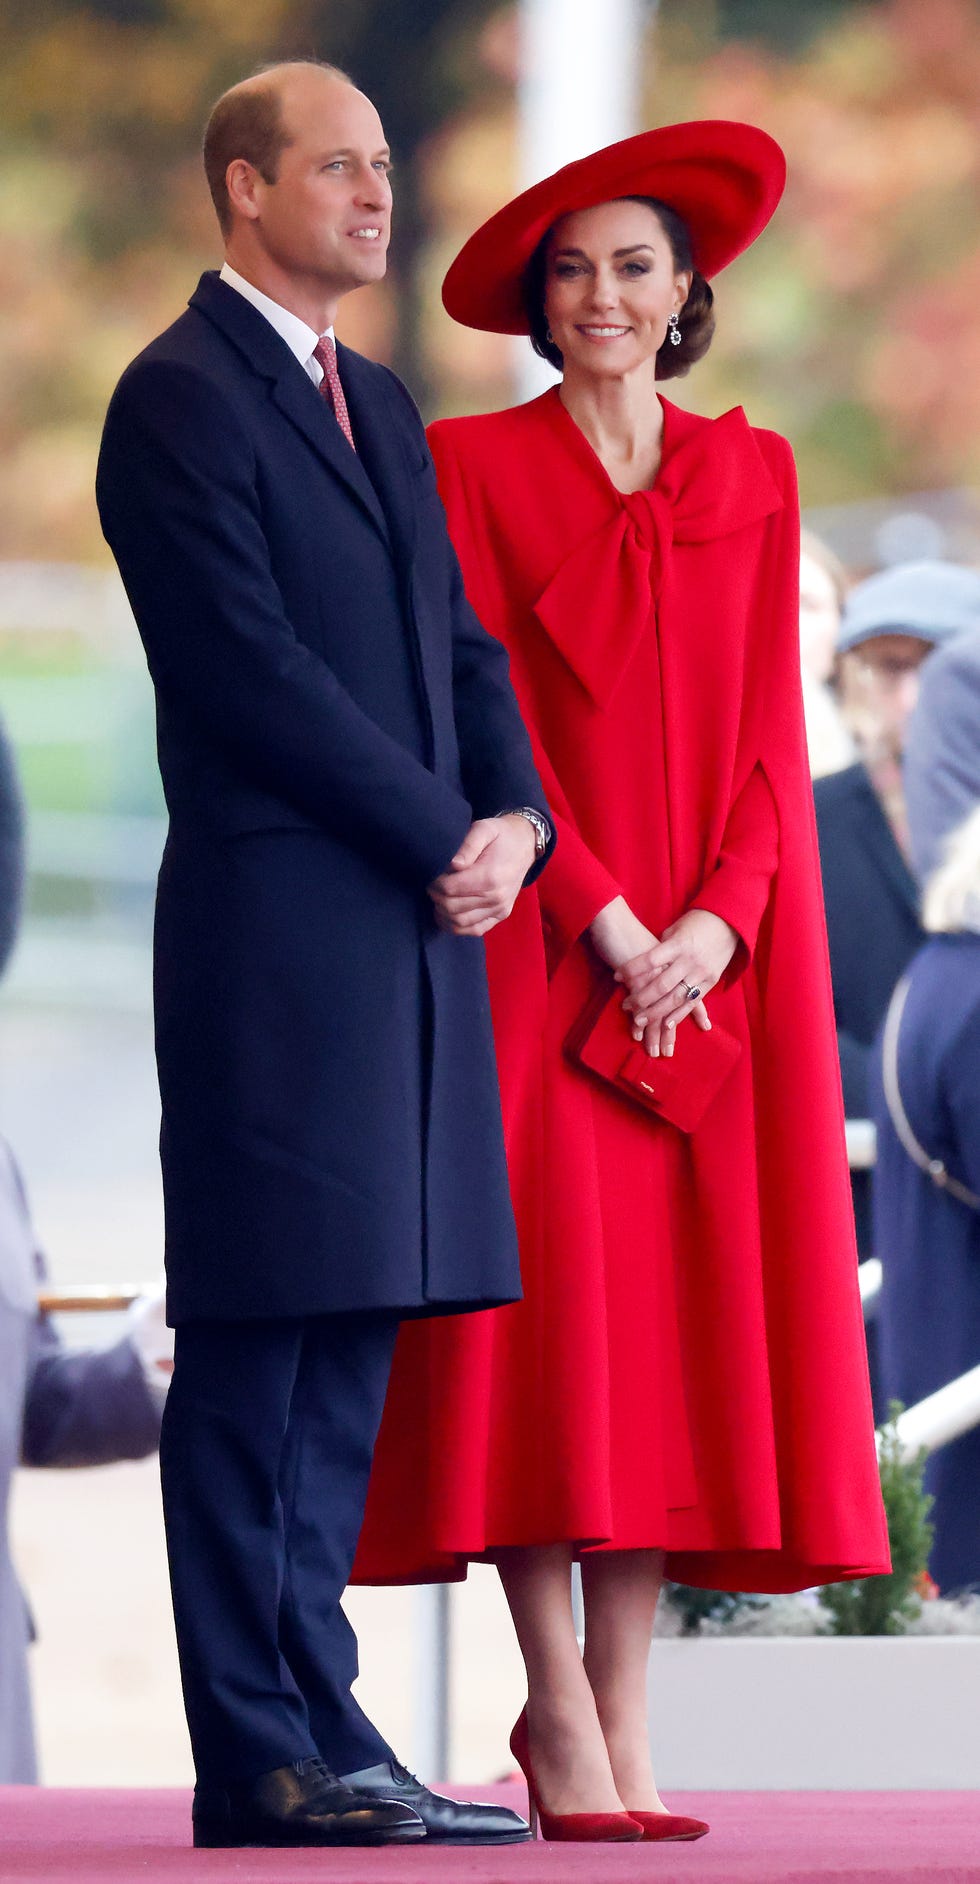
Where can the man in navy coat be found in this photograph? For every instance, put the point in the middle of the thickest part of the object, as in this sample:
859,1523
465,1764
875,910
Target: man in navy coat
353,803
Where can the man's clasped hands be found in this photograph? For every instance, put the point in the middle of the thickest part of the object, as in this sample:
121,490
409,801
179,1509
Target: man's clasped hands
481,885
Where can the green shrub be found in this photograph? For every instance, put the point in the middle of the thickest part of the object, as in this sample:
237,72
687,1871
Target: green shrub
883,1605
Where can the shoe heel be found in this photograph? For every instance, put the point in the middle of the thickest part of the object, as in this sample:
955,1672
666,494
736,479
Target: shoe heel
211,1820
213,1836
568,1827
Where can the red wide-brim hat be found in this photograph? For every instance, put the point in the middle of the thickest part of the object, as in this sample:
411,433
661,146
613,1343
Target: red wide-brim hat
723,178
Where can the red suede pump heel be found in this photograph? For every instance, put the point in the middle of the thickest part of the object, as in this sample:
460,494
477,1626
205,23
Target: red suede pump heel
662,1826
571,1827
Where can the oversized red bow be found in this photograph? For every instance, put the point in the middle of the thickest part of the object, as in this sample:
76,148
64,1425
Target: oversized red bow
596,607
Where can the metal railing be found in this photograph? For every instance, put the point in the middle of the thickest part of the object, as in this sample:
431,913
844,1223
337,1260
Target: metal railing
862,1143
869,1282
89,1298
947,1414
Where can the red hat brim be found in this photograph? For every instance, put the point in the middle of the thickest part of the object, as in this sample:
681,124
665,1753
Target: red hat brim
725,179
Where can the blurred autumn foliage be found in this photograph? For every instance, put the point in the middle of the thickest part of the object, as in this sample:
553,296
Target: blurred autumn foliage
852,326
105,221
858,317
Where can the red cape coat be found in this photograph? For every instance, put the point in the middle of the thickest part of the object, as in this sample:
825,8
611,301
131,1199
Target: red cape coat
687,1369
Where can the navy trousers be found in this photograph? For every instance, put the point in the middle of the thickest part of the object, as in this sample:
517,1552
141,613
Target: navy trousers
265,1455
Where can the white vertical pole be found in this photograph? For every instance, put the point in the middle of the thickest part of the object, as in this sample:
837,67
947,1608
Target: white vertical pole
579,90
430,1744
578,1604
579,84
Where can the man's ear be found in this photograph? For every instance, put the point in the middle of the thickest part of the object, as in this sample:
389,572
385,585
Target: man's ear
242,181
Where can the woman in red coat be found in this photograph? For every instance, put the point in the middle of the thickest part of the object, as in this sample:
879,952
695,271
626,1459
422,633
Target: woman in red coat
684,1386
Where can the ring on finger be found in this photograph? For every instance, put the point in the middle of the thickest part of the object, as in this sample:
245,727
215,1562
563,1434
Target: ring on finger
692,991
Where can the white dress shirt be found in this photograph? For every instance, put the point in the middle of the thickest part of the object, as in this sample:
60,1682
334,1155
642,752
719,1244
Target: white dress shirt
299,338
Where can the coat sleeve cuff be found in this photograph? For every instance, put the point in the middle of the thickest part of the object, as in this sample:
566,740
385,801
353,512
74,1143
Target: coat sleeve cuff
738,888
573,889
739,898
546,855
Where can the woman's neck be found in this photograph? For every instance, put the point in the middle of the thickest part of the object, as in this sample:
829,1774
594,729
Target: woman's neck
623,421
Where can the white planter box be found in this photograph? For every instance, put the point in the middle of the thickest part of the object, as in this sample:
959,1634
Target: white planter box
863,1713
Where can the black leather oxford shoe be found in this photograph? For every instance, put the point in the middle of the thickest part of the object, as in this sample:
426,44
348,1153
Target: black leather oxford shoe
302,1804
446,1821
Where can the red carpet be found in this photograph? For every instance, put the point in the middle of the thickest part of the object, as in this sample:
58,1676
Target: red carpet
92,1837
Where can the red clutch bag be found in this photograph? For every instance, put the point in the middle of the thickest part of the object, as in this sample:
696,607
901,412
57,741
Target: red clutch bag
679,1089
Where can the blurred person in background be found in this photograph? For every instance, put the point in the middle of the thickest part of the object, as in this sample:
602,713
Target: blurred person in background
684,1385
338,739
823,586
890,623
926,1100
59,1405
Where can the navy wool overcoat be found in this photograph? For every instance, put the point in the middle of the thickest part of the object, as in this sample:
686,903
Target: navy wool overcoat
331,717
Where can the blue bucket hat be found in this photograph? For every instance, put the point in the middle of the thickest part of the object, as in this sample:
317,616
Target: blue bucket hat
930,600
942,750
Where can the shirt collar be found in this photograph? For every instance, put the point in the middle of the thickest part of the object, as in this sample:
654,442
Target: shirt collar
299,338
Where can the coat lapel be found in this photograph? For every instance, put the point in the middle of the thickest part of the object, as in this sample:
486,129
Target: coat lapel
385,454
292,391
301,403
397,471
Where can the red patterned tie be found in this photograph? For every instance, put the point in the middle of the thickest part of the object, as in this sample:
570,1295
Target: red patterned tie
330,385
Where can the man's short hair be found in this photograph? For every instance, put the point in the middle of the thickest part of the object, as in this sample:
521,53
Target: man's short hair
248,122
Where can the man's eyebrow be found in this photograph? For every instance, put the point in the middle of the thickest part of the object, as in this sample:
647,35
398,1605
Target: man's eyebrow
346,151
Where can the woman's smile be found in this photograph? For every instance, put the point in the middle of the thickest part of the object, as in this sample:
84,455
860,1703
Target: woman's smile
593,331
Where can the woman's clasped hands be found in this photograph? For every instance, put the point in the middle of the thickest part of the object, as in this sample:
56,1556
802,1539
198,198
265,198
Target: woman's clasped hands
693,953
657,973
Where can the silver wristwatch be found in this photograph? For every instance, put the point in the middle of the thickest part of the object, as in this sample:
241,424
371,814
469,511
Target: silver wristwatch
539,824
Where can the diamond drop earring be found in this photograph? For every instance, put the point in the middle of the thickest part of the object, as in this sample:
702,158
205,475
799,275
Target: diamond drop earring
674,329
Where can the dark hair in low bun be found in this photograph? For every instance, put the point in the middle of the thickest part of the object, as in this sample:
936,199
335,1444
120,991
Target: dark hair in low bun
532,286
696,319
